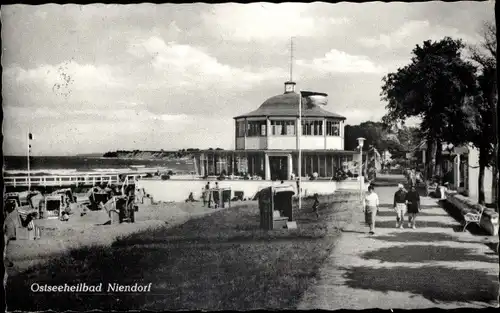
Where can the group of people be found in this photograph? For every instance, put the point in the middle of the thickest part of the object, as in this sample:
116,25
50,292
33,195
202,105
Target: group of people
414,176
404,202
209,197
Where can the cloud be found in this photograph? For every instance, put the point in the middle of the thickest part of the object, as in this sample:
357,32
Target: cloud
96,131
13,112
173,76
412,33
180,65
266,21
126,115
336,61
67,77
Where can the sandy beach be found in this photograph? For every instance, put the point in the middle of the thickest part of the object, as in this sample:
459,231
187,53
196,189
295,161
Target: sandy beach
59,237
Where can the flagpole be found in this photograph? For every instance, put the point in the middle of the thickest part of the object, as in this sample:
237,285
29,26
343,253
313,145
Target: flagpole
28,158
299,131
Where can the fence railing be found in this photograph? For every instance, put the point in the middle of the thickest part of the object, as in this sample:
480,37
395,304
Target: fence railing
67,180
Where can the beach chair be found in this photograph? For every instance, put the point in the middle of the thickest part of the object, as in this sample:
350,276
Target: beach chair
12,197
473,217
120,209
67,192
97,198
54,206
26,228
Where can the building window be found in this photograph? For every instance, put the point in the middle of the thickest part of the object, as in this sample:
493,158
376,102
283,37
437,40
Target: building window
240,129
312,128
283,128
256,128
333,128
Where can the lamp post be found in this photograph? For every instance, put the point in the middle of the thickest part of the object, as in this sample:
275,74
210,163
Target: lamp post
313,98
360,140
299,134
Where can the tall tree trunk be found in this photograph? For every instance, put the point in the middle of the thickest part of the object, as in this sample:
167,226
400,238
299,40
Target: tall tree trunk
480,184
439,161
433,158
493,100
428,158
480,179
437,158
494,191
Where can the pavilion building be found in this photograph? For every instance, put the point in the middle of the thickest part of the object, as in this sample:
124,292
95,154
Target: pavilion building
266,142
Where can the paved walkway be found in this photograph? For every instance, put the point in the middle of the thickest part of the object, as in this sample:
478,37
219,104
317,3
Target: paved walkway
434,265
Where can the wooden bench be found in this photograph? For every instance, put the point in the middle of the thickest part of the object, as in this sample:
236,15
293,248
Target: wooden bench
473,217
431,188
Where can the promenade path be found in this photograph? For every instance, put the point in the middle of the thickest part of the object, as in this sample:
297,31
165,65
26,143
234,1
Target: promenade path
435,265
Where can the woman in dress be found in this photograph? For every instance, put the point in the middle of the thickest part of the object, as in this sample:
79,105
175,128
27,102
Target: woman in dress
370,208
413,205
205,194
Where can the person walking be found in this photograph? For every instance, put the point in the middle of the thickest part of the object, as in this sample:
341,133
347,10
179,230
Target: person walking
400,205
216,196
316,205
413,205
370,207
412,179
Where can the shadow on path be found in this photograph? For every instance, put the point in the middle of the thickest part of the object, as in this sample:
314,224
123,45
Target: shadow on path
435,283
354,231
412,236
420,224
390,213
424,253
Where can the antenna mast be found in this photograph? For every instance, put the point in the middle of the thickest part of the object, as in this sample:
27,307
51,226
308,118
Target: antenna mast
291,58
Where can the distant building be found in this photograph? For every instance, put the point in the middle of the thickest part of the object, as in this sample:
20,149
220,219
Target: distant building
267,141
462,163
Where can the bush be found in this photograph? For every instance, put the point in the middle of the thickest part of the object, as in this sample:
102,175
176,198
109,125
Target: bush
149,175
170,173
339,175
165,177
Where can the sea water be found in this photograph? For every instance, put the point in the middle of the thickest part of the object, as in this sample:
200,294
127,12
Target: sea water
73,165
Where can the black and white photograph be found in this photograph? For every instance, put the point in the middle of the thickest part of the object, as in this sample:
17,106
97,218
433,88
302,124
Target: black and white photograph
250,156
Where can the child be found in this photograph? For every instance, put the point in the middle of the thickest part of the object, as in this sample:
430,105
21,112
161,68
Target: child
316,205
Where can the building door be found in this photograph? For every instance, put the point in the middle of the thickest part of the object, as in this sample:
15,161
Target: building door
279,167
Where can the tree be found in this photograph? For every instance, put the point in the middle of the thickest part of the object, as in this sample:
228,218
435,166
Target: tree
380,136
432,87
373,132
408,138
484,135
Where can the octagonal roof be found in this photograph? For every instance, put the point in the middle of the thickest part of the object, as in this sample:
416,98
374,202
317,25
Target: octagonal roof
287,105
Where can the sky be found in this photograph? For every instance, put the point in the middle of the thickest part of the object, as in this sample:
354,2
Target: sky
97,78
